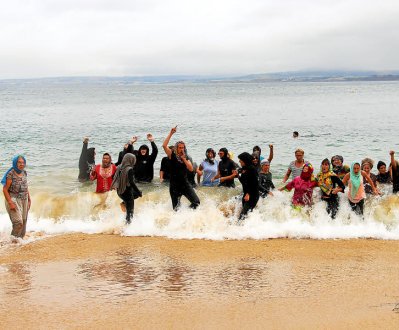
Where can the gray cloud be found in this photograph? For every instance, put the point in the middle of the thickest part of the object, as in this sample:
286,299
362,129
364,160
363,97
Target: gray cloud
99,37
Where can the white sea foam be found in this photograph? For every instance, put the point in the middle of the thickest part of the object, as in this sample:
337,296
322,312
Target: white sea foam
273,218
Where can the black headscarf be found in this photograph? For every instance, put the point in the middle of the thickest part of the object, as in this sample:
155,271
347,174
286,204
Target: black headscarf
247,159
226,154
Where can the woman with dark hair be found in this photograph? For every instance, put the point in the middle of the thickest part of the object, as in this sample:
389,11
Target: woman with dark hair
383,175
208,169
17,197
86,161
125,186
330,185
179,167
226,170
144,169
249,180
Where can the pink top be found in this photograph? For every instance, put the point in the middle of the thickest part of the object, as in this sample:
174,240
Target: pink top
361,194
303,191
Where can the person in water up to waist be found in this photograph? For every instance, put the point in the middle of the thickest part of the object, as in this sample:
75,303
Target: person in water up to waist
103,173
296,166
330,185
179,167
144,168
86,161
356,194
226,170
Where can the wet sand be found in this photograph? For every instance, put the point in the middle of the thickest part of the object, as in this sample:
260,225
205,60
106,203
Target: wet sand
109,281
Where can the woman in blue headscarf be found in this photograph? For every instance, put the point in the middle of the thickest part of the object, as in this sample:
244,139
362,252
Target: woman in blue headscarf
16,193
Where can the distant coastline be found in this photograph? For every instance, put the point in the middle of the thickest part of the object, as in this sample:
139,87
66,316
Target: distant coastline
296,76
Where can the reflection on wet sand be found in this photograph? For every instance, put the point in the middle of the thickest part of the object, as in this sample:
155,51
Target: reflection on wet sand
17,279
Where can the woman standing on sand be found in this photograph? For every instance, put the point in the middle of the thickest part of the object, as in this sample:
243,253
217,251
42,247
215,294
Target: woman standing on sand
16,193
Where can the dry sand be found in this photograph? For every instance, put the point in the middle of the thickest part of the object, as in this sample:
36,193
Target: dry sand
109,281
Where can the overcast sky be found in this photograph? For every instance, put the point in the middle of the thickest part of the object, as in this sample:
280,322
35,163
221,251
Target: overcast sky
45,38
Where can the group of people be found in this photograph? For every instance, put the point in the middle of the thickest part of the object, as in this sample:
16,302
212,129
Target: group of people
253,172
179,170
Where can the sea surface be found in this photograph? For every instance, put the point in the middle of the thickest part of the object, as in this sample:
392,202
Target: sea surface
47,122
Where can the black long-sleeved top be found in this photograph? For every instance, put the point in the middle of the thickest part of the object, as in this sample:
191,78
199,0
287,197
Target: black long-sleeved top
249,181
86,163
144,168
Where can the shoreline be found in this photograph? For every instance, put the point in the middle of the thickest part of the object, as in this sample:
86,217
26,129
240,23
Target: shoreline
108,281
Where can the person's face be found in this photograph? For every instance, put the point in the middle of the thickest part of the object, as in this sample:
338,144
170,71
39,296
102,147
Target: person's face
382,169
299,156
210,155
337,162
241,163
106,160
366,168
305,169
180,149
221,154
266,167
20,163
255,161
356,168
144,151
325,167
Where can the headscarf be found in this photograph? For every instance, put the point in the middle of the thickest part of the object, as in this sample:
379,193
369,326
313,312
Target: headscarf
307,176
226,153
140,156
246,158
121,180
324,179
257,149
14,167
356,180
110,161
207,159
175,151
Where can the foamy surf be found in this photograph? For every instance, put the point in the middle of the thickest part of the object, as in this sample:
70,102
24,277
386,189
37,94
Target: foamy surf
215,219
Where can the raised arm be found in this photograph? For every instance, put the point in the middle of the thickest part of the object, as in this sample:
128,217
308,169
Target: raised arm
165,144
270,153
154,152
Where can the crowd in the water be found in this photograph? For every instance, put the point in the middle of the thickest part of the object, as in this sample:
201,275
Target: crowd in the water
183,175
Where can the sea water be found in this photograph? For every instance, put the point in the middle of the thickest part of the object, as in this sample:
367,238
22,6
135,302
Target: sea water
46,121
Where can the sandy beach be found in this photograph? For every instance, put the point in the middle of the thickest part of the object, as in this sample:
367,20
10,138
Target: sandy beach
110,281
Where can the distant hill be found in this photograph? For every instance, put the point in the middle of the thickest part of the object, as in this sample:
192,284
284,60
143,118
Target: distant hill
295,76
